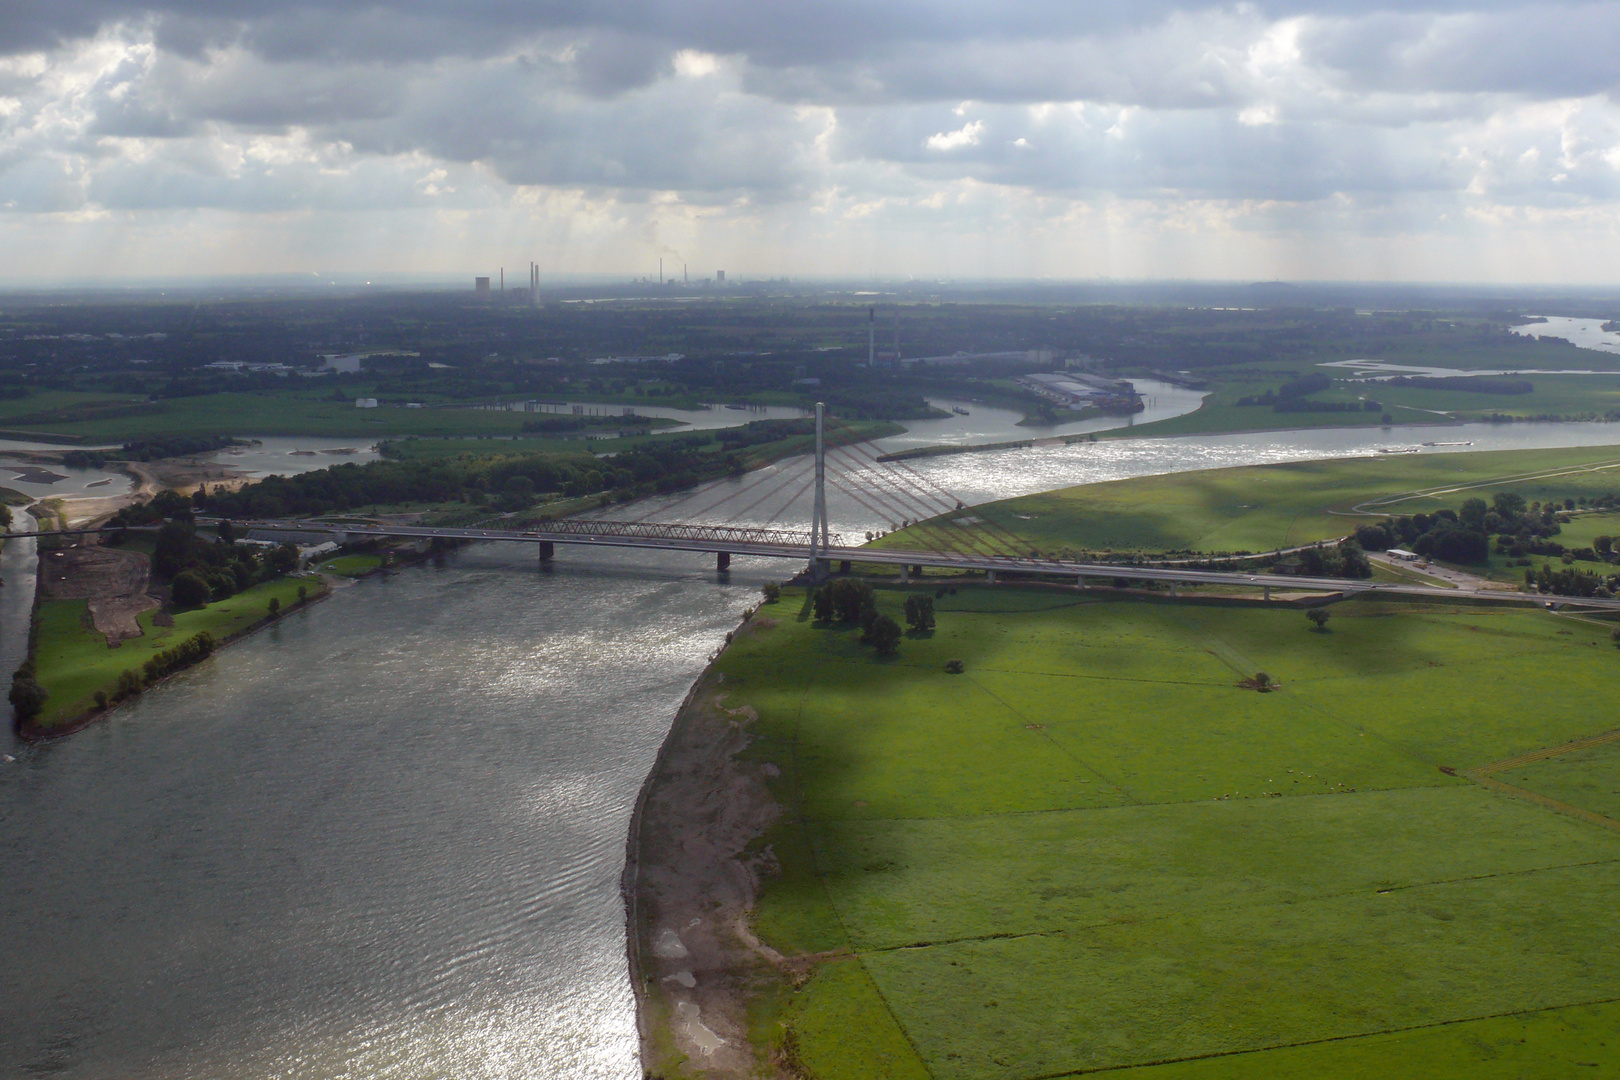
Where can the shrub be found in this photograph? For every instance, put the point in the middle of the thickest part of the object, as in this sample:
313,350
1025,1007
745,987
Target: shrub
275,606
101,699
884,635
920,613
772,591
27,696
129,684
954,667
1319,616
191,590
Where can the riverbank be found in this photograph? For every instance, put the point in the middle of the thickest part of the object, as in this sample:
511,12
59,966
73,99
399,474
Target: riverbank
73,662
1100,848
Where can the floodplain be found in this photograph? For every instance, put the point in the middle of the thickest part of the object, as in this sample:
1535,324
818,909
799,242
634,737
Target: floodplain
1102,847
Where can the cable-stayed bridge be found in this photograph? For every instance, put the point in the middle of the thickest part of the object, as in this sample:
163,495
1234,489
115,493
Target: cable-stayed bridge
746,519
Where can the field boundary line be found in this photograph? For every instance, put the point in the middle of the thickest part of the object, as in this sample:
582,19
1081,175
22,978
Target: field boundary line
1326,1039
1068,932
1542,800
1549,752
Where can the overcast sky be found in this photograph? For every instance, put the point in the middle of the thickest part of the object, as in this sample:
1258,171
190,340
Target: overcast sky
1299,139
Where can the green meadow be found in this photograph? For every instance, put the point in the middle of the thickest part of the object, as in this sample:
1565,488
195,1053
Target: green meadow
1262,507
73,660
1100,848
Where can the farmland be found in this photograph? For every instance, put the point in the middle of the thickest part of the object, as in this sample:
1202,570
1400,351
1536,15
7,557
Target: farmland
1100,848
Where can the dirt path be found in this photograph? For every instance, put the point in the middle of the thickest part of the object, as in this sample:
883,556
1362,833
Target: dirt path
691,886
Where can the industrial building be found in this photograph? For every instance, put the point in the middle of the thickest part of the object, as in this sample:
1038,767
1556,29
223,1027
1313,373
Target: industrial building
1078,390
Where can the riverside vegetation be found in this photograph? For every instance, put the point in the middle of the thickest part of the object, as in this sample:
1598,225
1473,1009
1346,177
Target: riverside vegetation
1097,847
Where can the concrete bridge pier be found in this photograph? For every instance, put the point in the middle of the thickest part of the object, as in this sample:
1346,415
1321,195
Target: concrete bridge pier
843,566
1268,594
722,561
905,574
989,577
547,550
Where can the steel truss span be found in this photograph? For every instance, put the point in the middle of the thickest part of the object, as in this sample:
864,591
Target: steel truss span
656,530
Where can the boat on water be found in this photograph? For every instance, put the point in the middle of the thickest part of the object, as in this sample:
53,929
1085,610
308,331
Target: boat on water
1448,444
739,408
1400,449
959,411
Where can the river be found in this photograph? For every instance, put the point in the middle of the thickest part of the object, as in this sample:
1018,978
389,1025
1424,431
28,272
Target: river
383,838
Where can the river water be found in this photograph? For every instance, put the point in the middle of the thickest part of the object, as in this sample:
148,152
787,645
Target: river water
383,838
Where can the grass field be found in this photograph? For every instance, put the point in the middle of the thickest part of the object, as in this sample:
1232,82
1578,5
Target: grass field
1096,850
350,565
1262,507
1553,395
74,661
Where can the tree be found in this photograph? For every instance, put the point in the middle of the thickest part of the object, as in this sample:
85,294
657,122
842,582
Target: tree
1604,545
1508,504
852,599
275,605
1472,512
884,636
1319,616
920,613
772,592
283,559
27,697
1614,636
303,593
823,604
954,667
1262,680
227,531
191,590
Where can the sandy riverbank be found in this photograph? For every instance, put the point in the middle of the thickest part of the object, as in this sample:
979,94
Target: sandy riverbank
690,885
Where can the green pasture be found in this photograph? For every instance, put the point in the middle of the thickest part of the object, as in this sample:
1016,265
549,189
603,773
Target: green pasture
1097,849
279,412
73,661
1262,507
350,565
1553,395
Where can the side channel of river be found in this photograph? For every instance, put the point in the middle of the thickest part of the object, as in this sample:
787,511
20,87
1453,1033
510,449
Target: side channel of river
383,839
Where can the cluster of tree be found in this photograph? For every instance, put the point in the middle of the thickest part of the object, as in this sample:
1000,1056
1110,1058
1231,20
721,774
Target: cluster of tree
27,697
1292,390
149,448
851,600
1346,559
920,612
1569,581
166,505
1463,535
1472,384
200,570
193,650
511,482
1294,396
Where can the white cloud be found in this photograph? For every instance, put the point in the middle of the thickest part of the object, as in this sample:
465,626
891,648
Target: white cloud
966,135
1147,128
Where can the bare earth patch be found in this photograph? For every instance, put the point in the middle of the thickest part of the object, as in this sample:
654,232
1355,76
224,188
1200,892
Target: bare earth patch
692,886
113,581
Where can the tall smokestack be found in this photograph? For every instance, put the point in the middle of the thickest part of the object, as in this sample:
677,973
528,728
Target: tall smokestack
871,336
897,335
503,279
660,269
